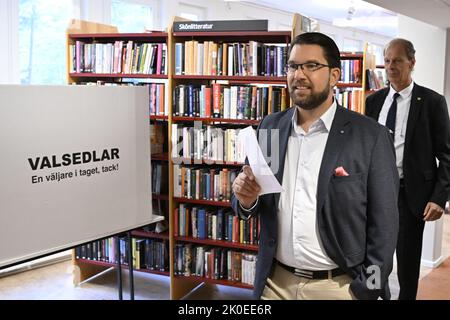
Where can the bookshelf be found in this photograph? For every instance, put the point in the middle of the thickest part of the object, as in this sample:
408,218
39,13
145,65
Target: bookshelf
99,55
263,88
354,86
209,75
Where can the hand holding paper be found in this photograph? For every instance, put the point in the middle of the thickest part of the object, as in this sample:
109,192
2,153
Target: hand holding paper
261,171
245,187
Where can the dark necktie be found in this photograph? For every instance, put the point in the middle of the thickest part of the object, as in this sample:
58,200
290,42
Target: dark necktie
390,120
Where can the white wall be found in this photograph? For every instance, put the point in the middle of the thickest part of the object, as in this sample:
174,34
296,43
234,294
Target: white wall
430,44
9,31
447,70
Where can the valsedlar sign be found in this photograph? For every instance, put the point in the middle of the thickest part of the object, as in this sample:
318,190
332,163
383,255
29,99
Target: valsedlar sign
221,25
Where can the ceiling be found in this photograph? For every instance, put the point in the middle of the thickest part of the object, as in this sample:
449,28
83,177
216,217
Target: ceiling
434,12
372,18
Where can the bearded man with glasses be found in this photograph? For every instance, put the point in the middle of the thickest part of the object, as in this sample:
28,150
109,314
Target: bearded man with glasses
331,232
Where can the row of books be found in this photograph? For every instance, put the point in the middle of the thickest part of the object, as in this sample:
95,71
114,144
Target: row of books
215,224
230,59
156,95
196,182
157,105
118,57
214,263
160,177
229,102
349,98
351,71
149,254
206,143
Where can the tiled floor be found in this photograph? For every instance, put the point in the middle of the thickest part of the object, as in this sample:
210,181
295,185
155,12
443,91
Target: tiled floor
55,282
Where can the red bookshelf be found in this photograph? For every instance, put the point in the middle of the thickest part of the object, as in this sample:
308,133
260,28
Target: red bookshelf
159,118
204,202
117,75
109,264
181,284
87,267
235,79
205,161
146,234
217,281
219,243
216,120
156,36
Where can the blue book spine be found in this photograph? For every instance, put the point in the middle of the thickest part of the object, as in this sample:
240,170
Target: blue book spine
178,58
201,220
191,100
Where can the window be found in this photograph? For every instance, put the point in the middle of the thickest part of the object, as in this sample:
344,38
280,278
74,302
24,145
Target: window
133,15
191,12
42,40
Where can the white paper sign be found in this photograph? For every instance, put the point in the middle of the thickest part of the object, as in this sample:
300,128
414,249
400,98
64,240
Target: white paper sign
263,174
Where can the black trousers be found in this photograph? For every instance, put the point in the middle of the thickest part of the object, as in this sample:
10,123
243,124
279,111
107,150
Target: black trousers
409,249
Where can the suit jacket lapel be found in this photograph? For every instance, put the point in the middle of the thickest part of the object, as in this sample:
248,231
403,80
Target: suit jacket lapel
414,111
378,104
336,139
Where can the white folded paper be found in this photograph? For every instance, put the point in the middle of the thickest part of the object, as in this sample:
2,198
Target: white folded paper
263,174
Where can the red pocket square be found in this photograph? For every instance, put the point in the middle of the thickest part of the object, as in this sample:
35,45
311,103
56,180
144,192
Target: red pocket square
340,172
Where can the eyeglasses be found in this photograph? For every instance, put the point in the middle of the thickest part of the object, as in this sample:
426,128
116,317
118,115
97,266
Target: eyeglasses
306,67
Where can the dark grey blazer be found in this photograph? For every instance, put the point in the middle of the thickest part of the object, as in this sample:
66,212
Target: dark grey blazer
357,215
427,138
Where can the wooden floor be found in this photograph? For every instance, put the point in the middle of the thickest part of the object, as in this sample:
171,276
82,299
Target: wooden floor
436,285
55,282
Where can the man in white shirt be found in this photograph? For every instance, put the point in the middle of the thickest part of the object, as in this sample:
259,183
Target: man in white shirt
418,120
331,233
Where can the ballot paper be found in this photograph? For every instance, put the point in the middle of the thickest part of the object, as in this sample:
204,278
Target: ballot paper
263,174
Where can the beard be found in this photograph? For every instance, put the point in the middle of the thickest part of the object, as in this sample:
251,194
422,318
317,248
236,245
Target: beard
312,101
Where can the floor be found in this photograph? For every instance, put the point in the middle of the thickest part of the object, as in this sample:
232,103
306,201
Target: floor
55,282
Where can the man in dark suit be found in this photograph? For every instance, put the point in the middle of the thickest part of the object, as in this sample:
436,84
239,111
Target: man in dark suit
331,233
419,123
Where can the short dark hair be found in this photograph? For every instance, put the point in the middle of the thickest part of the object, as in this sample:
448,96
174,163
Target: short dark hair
406,44
330,49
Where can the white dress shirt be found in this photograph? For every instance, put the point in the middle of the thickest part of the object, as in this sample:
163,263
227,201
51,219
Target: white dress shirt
299,243
401,120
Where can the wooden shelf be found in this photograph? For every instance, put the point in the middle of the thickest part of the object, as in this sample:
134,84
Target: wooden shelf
206,162
351,55
240,79
146,234
219,243
109,264
204,202
216,120
160,156
235,36
348,85
117,36
159,118
217,281
117,75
